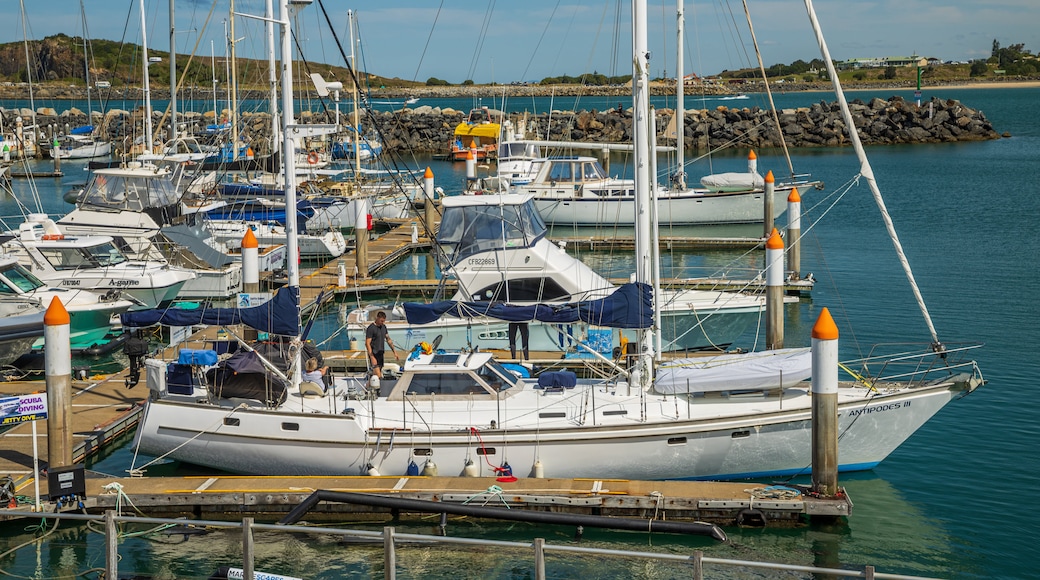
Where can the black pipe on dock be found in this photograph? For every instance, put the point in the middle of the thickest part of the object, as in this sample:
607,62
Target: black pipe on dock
416,505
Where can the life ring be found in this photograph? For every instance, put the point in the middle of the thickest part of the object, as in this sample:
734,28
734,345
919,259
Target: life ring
312,157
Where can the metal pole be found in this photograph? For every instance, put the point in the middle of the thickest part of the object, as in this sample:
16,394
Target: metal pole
58,378
147,92
698,565
247,548
173,76
539,558
389,557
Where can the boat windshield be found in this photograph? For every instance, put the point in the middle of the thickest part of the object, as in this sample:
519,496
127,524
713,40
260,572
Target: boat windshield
16,276
129,193
468,230
99,256
498,376
517,149
592,170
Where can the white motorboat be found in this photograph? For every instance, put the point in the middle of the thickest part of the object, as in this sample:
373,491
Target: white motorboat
21,325
94,263
90,313
140,209
496,247
81,146
577,191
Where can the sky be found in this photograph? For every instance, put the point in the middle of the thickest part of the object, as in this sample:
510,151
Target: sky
528,40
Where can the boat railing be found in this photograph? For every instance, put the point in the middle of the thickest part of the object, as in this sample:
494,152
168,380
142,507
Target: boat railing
694,562
914,363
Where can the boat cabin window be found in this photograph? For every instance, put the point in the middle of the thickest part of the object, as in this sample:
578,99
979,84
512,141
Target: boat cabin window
522,290
101,255
129,193
561,171
16,275
498,376
445,384
469,230
592,171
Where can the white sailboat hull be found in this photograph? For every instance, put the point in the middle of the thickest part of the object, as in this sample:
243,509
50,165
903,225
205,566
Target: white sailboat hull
673,208
705,438
83,150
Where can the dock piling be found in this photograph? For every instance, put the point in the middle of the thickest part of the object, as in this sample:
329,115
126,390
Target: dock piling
774,291
825,405
58,378
767,202
794,233
389,556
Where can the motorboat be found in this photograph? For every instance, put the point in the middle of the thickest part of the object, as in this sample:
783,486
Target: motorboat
91,314
93,263
478,134
576,190
496,247
140,208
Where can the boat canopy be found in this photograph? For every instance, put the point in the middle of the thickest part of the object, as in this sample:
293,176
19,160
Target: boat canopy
482,225
630,306
279,316
129,190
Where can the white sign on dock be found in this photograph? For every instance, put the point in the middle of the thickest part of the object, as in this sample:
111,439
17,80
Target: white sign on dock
251,299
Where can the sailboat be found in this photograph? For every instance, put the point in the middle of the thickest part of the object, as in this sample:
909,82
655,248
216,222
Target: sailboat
461,412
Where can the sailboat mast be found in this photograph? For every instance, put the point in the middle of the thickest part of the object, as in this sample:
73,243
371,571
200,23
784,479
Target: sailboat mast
28,66
234,87
868,172
643,177
147,90
173,75
272,76
357,115
86,58
680,102
289,166
213,70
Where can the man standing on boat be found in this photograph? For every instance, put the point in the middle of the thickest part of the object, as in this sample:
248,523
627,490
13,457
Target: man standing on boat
376,339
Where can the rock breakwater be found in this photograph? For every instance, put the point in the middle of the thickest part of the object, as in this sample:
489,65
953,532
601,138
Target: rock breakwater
431,129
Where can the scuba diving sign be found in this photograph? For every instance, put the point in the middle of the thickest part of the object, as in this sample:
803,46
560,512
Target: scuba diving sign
22,408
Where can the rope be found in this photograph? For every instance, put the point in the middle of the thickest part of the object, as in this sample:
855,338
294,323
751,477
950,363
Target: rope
492,491
773,492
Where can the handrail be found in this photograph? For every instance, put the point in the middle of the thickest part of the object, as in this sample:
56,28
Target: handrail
388,536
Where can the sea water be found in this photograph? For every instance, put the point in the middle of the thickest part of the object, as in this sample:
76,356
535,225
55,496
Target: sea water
953,501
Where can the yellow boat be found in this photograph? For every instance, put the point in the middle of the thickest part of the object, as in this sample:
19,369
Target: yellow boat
477,133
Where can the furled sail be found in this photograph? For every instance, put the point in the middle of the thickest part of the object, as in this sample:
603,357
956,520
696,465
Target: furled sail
630,306
279,316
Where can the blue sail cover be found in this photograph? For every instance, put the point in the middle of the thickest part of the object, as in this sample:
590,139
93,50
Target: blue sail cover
630,306
278,316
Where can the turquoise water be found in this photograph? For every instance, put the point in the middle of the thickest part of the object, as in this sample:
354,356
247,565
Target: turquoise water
951,502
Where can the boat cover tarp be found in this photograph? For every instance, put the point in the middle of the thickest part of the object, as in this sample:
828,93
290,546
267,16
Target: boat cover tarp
279,316
733,181
630,306
751,371
244,376
82,130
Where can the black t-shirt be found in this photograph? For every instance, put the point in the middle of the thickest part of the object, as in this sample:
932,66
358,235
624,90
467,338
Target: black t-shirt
378,334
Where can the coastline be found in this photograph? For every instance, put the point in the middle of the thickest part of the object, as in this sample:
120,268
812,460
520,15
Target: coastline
65,92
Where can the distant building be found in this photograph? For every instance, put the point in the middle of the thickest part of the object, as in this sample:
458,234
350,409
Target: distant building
882,62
